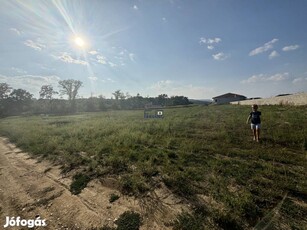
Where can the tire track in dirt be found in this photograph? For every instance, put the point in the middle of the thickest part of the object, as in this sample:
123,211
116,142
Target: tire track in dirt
26,191
29,188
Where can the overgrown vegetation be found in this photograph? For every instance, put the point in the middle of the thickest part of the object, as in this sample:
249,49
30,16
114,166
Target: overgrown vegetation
204,154
129,221
79,182
113,197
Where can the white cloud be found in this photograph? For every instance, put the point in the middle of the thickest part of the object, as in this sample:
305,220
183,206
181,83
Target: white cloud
299,80
101,59
164,19
93,78
161,85
132,57
31,83
122,57
267,46
278,77
111,80
19,71
265,78
15,31
65,57
135,7
254,78
210,40
273,54
219,56
93,52
290,48
112,64
173,88
35,45
106,80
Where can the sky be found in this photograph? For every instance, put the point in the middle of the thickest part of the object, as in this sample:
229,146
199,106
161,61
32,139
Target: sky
196,48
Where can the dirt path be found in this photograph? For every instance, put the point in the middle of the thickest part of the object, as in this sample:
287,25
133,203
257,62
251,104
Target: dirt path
29,188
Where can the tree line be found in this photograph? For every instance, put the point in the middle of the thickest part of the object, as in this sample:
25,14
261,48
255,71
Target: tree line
20,101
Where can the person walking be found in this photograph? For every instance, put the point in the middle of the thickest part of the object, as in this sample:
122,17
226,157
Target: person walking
254,117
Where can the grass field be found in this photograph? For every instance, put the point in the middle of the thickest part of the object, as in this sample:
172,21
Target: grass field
197,151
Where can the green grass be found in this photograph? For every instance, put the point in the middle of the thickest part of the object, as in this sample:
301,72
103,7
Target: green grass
200,150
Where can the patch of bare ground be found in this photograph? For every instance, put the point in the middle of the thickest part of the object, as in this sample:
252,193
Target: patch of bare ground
29,187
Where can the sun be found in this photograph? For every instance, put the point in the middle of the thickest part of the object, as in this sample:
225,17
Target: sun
79,42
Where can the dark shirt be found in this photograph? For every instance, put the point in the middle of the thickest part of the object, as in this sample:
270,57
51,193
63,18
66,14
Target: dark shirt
255,117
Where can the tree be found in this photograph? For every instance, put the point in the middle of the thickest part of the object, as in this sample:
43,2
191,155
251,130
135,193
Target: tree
128,95
162,99
70,88
47,92
179,100
119,95
5,89
20,95
19,101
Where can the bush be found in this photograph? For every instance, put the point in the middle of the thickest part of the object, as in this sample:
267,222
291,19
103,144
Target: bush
113,197
107,228
129,221
79,183
132,185
117,165
228,222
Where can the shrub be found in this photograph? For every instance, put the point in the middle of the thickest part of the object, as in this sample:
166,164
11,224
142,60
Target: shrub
79,183
132,185
129,221
117,165
107,228
127,184
113,197
228,222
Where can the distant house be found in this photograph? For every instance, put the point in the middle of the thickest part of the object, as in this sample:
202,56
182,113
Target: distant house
227,98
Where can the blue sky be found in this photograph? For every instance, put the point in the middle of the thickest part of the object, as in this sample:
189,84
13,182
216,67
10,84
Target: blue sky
198,48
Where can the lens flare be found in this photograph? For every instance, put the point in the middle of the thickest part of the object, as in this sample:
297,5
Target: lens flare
79,41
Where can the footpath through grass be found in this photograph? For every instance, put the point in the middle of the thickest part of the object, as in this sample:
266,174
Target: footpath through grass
197,152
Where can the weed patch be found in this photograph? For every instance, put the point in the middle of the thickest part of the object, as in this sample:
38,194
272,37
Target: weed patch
180,185
186,221
79,183
129,221
113,198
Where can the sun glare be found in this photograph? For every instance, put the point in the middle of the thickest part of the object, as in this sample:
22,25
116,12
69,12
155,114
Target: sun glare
79,41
